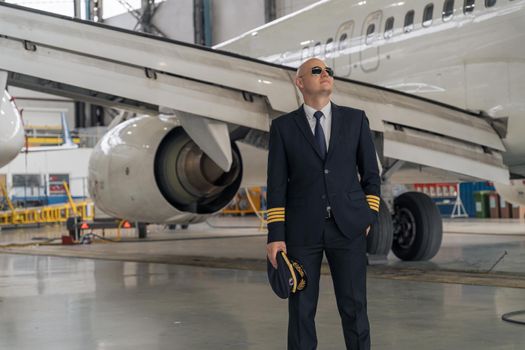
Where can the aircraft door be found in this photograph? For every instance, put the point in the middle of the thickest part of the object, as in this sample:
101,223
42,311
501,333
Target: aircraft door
370,35
342,58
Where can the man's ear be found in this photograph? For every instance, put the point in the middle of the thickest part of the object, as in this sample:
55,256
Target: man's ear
299,83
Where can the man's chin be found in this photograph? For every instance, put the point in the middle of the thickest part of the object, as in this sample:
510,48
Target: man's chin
326,92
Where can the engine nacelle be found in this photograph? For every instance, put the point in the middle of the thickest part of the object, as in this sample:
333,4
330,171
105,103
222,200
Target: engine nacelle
148,169
11,130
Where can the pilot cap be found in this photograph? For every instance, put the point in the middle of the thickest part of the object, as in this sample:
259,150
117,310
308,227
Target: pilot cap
288,278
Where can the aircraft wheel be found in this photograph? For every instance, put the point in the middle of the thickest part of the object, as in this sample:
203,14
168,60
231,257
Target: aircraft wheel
418,228
381,235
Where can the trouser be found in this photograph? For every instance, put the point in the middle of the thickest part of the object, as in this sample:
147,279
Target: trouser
347,261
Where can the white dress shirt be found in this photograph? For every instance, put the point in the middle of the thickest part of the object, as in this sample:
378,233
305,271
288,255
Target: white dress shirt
326,120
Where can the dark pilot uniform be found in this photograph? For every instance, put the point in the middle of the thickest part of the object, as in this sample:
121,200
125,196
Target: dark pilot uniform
316,203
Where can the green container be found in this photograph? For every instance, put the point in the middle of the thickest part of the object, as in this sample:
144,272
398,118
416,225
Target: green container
482,202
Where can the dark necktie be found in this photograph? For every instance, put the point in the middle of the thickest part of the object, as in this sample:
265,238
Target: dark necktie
319,134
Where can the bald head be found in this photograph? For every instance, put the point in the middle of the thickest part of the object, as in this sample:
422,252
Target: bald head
307,65
314,87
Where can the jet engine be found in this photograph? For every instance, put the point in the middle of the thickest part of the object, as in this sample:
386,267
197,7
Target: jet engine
11,130
150,170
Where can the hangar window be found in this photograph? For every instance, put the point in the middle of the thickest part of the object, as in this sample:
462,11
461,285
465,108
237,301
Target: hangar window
389,27
305,53
448,10
370,34
490,3
468,6
317,49
343,43
409,21
427,15
329,47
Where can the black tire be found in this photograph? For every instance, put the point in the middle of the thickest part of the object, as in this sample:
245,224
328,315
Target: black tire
381,235
418,228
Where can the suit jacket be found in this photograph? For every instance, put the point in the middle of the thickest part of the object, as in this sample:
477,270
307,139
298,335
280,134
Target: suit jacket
300,184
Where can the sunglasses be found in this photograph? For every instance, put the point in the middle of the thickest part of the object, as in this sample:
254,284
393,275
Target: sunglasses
318,70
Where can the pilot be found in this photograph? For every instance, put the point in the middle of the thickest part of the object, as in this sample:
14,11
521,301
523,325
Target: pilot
318,203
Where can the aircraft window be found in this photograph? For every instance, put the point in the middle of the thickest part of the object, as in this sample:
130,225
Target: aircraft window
490,3
305,53
448,10
370,34
343,42
329,47
427,15
317,49
409,21
468,6
389,27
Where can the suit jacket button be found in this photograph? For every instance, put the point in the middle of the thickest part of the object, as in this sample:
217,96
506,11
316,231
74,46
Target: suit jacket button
326,171
323,197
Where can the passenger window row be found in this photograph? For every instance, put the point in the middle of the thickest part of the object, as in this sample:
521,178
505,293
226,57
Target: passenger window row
408,25
428,12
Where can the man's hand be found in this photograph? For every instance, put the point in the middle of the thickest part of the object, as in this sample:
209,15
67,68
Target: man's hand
367,229
272,249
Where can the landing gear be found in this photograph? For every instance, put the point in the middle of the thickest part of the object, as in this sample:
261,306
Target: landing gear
173,227
418,229
379,239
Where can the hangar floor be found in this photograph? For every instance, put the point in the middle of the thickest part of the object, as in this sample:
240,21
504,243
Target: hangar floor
148,300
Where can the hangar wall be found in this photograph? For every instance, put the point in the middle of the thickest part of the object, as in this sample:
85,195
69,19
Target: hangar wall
231,18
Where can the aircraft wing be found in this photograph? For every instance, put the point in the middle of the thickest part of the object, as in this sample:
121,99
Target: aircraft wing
207,88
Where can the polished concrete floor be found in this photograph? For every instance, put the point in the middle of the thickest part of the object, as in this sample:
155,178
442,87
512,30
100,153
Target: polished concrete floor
65,303
138,303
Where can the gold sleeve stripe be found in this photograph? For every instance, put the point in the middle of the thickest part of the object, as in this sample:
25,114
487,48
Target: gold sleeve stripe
375,208
274,220
373,202
276,213
276,209
371,196
275,217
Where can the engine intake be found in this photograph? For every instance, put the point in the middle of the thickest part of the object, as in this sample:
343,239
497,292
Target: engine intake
189,179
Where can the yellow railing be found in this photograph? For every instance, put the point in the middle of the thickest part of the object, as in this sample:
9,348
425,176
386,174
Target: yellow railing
48,214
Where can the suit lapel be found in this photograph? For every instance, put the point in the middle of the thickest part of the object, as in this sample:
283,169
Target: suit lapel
335,129
302,123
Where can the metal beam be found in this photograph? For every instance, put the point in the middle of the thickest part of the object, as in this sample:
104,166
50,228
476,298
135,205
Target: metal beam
3,81
269,10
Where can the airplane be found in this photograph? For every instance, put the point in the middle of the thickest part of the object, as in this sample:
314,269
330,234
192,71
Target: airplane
208,110
11,130
390,43
12,135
